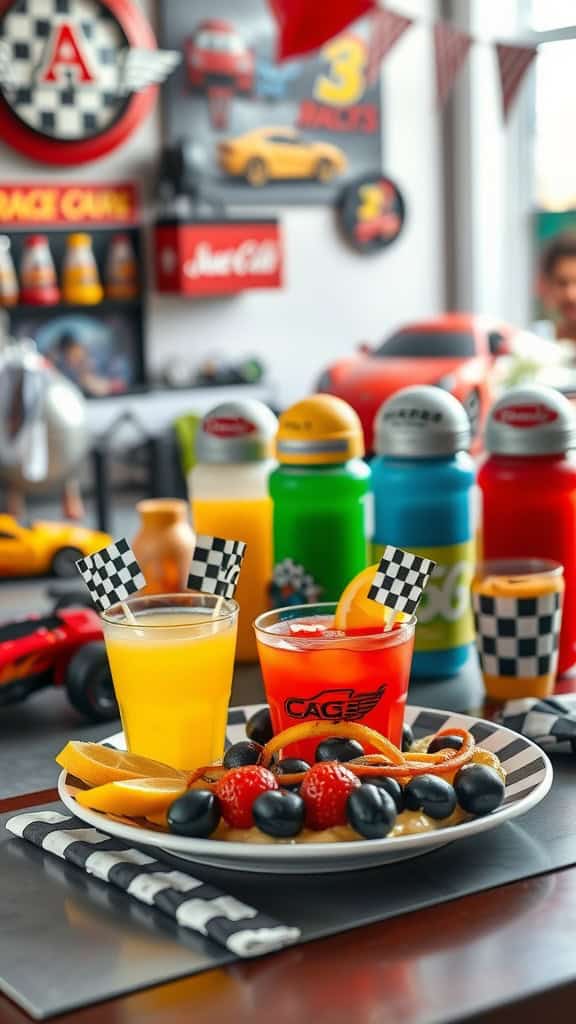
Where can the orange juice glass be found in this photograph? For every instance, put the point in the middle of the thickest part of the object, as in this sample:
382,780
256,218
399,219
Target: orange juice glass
518,613
357,675
172,670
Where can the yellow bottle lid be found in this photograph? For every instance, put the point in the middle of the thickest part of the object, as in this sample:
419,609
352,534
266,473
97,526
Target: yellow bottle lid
320,430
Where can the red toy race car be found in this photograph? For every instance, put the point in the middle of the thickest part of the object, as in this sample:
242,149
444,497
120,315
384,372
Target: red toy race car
217,55
456,352
64,648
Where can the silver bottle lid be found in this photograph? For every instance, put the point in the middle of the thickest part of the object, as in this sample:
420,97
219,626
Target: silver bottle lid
531,421
237,432
421,423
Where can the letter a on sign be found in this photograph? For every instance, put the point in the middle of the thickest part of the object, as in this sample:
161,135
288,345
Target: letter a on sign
65,57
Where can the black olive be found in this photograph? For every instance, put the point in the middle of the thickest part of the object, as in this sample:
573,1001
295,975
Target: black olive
244,752
290,766
391,786
479,789
195,814
444,742
279,814
407,737
259,726
371,811
430,794
338,749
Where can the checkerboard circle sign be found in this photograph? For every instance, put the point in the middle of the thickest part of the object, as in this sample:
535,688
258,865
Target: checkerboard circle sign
518,636
63,98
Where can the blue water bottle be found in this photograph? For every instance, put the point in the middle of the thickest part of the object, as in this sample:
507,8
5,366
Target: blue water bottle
423,481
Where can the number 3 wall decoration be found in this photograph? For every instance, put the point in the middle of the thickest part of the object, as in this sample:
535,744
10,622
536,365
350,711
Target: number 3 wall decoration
76,76
271,133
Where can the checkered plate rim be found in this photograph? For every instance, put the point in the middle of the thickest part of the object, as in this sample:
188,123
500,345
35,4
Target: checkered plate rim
529,780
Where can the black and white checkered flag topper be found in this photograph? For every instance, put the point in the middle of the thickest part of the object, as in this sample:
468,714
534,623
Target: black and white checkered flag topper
401,579
111,574
216,565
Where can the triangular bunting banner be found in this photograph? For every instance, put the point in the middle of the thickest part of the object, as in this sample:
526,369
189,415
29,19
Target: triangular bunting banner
387,27
451,48
513,63
305,25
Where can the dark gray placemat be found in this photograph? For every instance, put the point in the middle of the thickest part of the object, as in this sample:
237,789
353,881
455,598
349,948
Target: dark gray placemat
58,919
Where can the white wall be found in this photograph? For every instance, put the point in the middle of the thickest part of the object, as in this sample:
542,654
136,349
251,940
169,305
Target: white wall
495,165
333,298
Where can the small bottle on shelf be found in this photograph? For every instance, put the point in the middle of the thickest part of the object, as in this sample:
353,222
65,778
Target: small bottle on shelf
8,279
38,284
121,269
80,281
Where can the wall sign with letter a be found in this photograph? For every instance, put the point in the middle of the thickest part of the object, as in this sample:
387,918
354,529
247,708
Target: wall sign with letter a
76,76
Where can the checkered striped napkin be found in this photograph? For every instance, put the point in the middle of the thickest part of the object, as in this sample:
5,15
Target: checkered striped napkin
191,903
550,723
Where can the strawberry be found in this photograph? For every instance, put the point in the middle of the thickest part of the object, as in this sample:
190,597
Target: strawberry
237,791
325,790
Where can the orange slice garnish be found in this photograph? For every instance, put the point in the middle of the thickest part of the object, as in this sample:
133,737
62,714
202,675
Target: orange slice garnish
135,798
98,765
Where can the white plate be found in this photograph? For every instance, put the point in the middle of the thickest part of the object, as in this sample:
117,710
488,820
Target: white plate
529,777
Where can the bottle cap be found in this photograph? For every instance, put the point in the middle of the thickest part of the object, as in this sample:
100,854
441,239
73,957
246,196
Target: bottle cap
318,431
237,432
531,421
421,423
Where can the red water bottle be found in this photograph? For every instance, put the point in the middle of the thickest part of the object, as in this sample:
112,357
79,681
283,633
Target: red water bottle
528,485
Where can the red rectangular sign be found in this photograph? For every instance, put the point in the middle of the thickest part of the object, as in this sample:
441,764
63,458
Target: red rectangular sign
67,205
218,258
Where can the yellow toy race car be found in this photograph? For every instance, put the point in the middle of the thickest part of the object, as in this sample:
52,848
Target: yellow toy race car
45,547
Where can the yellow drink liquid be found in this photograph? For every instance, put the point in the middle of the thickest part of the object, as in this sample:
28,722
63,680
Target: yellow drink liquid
172,675
249,520
509,591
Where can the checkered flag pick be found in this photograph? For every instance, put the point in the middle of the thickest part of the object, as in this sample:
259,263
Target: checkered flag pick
216,565
111,574
400,580
551,723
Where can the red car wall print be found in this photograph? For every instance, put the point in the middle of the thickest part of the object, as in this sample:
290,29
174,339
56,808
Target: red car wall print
76,76
455,351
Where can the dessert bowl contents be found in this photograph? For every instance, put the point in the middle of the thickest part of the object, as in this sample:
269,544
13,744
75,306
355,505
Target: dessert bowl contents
359,787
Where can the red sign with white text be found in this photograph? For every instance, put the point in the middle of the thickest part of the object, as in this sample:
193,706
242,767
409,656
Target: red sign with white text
68,205
218,258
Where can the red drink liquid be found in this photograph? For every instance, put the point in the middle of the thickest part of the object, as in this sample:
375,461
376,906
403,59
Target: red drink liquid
359,677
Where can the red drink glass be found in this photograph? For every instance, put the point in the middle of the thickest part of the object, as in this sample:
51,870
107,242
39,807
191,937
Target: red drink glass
359,676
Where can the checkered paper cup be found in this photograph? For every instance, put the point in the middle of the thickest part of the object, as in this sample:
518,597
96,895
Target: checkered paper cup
518,634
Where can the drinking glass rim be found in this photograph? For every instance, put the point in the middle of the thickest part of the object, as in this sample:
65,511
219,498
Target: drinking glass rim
518,567
300,608
228,603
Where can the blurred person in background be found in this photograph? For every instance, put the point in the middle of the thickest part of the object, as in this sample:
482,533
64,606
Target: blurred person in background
558,286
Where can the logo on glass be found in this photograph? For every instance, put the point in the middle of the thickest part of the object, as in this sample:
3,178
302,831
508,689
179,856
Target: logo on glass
335,705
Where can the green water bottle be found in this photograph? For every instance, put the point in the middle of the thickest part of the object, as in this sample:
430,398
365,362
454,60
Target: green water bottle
321,496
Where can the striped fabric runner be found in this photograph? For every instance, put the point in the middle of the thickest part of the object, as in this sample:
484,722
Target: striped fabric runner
241,929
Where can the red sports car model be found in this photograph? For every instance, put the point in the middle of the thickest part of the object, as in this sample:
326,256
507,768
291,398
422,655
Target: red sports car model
455,352
65,648
217,55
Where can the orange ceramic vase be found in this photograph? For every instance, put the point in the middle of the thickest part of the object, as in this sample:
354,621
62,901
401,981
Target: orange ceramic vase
164,545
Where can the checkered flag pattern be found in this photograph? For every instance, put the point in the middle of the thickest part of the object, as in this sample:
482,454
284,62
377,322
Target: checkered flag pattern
289,574
216,565
188,901
518,636
112,574
67,109
551,723
401,580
